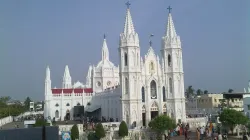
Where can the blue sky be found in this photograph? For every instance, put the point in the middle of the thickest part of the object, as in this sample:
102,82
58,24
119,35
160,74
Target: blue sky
34,34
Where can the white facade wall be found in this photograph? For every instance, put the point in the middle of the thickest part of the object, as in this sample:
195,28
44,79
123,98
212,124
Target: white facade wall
138,85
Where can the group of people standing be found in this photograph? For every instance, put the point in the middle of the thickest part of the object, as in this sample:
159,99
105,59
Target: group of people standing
207,132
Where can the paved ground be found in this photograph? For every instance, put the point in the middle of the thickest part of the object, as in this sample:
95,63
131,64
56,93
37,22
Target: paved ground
192,136
13,125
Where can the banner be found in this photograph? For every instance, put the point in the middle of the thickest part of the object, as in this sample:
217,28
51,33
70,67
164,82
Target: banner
66,135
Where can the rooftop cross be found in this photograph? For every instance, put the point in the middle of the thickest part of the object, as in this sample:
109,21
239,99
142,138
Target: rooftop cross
169,9
128,4
104,36
150,41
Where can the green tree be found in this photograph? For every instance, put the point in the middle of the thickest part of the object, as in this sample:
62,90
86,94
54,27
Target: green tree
162,123
41,122
99,131
74,132
230,118
230,90
199,92
27,103
92,136
205,92
190,91
123,129
5,99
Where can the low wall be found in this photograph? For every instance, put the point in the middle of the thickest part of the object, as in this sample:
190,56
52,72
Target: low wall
197,122
6,120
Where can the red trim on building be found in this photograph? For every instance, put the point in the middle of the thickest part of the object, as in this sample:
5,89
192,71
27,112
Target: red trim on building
80,90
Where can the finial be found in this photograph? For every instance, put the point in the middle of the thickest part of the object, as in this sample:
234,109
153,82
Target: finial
150,41
128,4
169,9
104,36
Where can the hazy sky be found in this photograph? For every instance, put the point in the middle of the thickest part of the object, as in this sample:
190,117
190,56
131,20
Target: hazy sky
34,34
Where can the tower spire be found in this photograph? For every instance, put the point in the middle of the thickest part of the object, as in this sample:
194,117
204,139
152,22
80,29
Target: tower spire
47,73
170,26
128,26
105,50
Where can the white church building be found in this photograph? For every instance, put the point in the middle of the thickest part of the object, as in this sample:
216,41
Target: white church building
136,91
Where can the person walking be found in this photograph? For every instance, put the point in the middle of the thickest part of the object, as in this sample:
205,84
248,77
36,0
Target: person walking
198,134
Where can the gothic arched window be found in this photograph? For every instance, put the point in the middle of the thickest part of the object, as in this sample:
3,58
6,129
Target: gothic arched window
143,94
126,85
57,104
170,85
152,66
163,94
125,59
57,114
67,104
153,89
169,60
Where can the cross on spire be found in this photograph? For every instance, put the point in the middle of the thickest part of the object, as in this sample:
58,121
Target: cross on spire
128,4
104,36
169,9
150,41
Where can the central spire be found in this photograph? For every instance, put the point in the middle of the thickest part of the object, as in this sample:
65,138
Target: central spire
170,26
128,26
105,50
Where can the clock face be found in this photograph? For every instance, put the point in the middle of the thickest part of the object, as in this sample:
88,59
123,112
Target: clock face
98,84
109,83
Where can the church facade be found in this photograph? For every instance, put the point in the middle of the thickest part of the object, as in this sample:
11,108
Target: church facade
136,91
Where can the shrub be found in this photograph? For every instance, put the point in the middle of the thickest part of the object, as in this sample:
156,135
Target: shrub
74,132
123,129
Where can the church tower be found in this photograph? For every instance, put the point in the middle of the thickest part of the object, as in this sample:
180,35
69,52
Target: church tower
173,72
130,73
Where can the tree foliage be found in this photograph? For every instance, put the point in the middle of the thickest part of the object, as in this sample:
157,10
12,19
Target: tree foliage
231,118
74,132
162,123
92,136
10,110
41,122
230,90
190,91
99,131
123,129
199,92
27,103
205,92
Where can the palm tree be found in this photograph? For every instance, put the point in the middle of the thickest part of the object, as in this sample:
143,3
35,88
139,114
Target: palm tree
205,92
190,91
230,90
199,92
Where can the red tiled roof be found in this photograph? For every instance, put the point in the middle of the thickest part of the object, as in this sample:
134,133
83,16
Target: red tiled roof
80,90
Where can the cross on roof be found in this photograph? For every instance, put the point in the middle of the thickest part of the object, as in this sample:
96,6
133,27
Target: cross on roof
104,36
128,4
169,9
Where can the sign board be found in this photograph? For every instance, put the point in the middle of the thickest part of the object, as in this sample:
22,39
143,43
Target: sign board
66,135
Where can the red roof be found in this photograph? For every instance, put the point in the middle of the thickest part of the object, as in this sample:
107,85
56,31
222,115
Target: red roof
80,90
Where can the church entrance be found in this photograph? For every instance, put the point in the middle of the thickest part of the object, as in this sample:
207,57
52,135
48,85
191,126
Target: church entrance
67,117
154,114
143,119
143,115
154,110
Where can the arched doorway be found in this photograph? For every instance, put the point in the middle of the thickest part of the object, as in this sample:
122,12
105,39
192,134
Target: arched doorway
57,114
154,110
67,117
